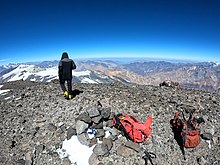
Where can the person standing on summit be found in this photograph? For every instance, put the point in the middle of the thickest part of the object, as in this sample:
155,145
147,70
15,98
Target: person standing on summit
65,68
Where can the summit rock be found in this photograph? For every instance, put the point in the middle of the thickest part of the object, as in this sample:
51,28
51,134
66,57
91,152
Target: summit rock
34,130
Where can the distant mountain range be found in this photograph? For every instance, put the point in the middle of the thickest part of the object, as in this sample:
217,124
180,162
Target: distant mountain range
47,71
205,75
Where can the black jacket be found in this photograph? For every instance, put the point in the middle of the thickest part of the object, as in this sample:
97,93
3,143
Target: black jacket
66,66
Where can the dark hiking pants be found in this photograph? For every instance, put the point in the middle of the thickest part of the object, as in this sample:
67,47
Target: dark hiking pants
69,85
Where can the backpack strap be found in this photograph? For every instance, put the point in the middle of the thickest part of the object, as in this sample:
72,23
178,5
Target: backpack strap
176,122
176,125
131,121
176,116
120,126
134,119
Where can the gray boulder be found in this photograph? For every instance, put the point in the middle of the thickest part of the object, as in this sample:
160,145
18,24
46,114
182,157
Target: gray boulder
84,139
70,132
106,112
101,149
81,127
93,111
84,117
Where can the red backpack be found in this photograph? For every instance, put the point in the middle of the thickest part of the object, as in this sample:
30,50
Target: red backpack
131,128
187,129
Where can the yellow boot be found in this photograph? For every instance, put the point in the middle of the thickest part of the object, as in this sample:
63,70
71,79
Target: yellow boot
66,94
70,97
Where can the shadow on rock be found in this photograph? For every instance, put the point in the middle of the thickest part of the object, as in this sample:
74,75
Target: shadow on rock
76,92
178,137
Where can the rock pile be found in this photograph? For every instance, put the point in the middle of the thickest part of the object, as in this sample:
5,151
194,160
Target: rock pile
35,120
169,83
95,118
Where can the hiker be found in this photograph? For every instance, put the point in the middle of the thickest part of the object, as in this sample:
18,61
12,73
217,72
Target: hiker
65,68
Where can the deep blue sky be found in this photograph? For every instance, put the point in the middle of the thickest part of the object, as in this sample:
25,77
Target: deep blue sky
36,30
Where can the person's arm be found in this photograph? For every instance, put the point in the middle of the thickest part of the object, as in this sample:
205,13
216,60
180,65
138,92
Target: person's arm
73,65
60,69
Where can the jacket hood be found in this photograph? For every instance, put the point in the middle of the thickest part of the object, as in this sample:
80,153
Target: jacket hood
64,55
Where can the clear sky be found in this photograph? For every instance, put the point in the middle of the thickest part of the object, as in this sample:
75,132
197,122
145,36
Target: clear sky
36,30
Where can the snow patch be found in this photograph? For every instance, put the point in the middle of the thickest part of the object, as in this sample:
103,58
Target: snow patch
209,143
19,73
87,80
76,152
2,92
81,73
23,72
49,72
7,98
216,64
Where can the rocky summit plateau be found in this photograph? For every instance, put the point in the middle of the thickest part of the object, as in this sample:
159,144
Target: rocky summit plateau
35,119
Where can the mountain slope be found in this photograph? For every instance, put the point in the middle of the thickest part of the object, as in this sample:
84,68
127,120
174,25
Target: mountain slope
205,76
46,72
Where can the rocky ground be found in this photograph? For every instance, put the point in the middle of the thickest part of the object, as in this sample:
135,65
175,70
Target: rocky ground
35,119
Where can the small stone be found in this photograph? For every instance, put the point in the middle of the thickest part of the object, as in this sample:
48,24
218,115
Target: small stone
70,132
19,105
101,164
39,148
93,141
66,161
81,127
93,111
216,140
114,132
108,142
101,138
133,145
63,127
101,149
60,124
28,158
124,151
97,119
110,163
206,136
201,161
100,133
20,162
84,117
59,132
109,123
84,139
58,145
52,127
97,126
93,159
106,112
135,111
210,130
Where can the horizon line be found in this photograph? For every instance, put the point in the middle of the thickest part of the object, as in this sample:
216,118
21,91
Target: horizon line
166,59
